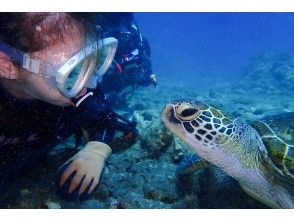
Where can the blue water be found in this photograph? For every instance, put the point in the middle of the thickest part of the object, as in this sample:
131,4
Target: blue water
187,47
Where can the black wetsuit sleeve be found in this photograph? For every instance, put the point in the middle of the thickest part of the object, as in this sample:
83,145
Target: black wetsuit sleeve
95,116
28,129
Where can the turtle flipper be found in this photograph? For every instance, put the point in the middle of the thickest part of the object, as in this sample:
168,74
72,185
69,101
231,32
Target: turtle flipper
280,152
192,163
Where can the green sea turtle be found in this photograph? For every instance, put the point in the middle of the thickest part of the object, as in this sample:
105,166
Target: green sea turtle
260,156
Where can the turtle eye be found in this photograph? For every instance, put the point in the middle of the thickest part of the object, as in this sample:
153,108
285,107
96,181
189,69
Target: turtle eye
187,112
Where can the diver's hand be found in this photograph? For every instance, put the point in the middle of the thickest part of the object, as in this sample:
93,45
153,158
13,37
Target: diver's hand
79,176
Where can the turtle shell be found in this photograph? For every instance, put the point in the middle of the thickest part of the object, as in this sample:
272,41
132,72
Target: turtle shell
277,134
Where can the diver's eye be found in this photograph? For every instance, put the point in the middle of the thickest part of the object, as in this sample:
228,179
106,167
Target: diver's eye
187,112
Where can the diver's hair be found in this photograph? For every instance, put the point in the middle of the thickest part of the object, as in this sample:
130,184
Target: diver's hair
31,32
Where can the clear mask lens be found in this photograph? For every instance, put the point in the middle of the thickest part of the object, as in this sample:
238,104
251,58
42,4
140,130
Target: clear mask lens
102,57
107,53
73,77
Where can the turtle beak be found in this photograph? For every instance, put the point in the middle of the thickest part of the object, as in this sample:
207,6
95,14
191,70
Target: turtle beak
168,114
169,119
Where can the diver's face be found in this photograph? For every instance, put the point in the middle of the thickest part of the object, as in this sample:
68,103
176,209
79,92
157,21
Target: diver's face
46,89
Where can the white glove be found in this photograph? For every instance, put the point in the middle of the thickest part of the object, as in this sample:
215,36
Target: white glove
88,164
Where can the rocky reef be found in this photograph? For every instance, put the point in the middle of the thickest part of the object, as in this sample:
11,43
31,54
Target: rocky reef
271,71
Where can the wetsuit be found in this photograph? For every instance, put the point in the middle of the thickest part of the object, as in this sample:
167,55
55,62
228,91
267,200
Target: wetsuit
132,63
29,128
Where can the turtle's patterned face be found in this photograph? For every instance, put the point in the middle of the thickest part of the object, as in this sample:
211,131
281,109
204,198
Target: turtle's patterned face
197,121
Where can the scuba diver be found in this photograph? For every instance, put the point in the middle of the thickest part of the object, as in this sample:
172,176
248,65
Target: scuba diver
131,65
46,63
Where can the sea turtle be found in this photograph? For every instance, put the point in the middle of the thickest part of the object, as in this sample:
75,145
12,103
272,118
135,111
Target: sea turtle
259,155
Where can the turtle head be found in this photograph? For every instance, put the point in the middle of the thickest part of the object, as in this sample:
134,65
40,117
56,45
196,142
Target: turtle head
198,124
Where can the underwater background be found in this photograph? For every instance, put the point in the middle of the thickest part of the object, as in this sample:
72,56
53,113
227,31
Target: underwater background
189,47
241,62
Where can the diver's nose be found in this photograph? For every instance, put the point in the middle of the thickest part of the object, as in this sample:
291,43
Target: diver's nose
82,92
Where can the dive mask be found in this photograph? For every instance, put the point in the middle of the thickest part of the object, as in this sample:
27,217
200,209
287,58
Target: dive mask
72,76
